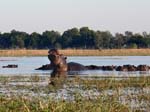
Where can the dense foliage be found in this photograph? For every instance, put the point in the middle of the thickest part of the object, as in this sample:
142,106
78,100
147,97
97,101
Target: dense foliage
74,38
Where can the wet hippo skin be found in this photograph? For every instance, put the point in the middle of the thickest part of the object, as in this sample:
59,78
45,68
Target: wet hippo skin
59,63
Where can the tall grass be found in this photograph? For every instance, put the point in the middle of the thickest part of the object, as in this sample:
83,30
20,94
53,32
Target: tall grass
107,52
23,52
79,52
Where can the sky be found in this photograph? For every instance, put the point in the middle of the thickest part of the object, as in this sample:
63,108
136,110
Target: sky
60,15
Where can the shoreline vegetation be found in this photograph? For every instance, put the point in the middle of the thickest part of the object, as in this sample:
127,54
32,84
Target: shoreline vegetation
78,52
32,94
79,38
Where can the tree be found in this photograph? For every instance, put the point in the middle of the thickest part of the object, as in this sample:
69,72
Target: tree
74,38
33,40
49,39
119,40
18,39
103,39
5,41
71,38
87,37
98,40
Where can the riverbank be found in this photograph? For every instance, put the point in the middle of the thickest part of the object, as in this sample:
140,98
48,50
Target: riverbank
79,52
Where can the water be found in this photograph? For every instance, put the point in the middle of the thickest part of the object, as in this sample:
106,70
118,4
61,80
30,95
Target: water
27,65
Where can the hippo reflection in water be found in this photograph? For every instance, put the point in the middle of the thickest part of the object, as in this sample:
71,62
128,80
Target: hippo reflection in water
60,66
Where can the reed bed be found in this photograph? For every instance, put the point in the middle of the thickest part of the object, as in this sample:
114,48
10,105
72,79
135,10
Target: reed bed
79,52
107,52
113,95
23,52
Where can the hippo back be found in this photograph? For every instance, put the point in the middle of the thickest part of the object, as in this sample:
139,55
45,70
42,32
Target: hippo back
72,66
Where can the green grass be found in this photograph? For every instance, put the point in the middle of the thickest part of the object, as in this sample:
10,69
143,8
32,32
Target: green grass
112,93
101,104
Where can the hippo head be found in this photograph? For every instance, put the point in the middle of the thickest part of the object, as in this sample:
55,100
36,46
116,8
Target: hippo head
53,52
57,59
58,62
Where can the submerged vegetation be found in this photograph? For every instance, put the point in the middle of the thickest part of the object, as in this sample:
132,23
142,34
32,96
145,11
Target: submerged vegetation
80,94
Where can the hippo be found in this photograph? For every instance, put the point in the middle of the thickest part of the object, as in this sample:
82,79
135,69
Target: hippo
49,66
73,66
10,66
45,67
126,68
121,68
55,57
59,65
108,68
130,68
93,67
142,68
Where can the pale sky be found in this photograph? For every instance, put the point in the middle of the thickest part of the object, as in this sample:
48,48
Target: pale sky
60,15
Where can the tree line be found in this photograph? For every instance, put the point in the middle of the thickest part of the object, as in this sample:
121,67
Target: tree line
83,38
